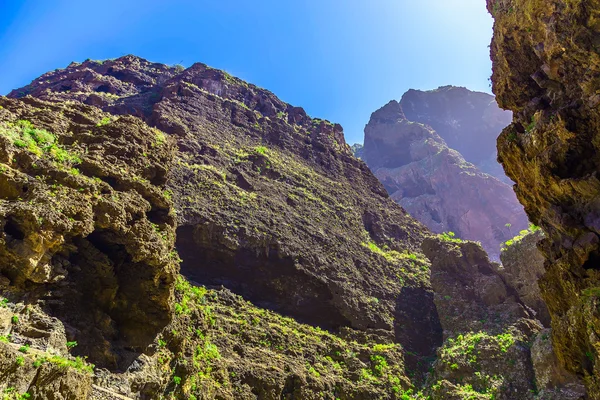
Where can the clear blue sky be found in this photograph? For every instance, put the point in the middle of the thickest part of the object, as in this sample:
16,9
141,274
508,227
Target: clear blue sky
339,59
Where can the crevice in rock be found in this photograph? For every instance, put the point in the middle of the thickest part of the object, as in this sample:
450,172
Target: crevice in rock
417,326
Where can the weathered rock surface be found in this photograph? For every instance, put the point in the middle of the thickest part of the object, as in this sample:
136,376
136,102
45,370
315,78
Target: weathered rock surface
486,325
436,185
522,268
468,121
247,171
250,168
546,64
553,381
86,228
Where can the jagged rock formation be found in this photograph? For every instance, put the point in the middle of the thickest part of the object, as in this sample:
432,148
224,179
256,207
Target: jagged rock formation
436,185
546,63
468,121
495,346
87,231
247,171
522,267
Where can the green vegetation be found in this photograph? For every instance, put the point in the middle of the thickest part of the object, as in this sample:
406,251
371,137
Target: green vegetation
450,237
391,255
40,142
11,393
197,340
532,228
77,363
466,345
262,150
160,136
104,121
70,345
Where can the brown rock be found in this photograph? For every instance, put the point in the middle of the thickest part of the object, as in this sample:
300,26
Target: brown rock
545,69
86,228
249,170
522,268
553,381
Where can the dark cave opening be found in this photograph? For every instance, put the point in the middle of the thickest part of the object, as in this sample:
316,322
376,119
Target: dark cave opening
593,261
12,229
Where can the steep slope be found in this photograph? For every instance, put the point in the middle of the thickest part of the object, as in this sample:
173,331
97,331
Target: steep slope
468,121
546,65
436,185
247,171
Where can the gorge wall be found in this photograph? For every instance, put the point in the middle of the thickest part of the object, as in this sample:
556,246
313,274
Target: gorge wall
267,205
546,64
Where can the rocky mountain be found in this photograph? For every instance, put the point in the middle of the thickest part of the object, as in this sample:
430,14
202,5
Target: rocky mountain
468,121
436,185
178,233
223,175
545,69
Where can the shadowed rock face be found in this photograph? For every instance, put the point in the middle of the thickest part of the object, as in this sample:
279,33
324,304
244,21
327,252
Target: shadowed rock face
436,185
469,122
250,168
546,65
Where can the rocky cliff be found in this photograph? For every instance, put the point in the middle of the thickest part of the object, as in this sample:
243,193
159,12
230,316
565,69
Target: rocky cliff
468,121
545,69
234,172
436,185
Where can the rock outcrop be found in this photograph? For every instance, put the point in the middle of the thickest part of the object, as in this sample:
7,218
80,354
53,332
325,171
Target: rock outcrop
487,327
468,121
545,69
250,168
436,185
87,230
522,268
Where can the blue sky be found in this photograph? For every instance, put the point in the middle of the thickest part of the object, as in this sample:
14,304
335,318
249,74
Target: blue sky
339,59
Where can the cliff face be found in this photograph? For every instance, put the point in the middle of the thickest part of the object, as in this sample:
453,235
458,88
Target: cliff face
469,122
487,326
246,169
436,185
546,63
87,230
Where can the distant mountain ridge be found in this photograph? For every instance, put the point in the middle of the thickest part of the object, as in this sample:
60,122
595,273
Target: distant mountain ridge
432,179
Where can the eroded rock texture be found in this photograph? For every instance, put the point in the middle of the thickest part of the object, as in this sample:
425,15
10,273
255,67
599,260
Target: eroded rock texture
249,170
87,231
270,204
487,327
522,268
468,121
546,66
436,185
